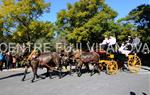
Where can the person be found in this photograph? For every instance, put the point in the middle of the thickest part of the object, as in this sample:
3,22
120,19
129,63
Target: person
8,60
123,50
126,47
1,61
136,41
14,61
111,44
105,42
111,41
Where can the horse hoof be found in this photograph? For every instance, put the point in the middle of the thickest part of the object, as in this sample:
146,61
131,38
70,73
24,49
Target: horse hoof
47,75
22,80
91,74
60,77
32,81
79,75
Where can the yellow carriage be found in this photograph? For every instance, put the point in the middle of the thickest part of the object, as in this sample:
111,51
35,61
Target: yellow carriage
111,62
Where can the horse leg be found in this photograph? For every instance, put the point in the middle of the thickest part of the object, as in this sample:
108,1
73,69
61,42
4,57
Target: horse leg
25,72
70,65
34,69
93,70
59,69
60,72
79,69
76,67
98,68
37,76
49,71
87,67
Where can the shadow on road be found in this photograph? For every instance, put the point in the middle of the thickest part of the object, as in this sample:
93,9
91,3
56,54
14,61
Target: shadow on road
133,93
55,74
148,69
10,76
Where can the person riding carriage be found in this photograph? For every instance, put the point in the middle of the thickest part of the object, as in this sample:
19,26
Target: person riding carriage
109,41
124,54
130,45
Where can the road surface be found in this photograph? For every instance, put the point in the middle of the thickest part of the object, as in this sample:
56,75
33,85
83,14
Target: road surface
123,83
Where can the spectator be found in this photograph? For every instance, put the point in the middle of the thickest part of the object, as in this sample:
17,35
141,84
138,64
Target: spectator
8,60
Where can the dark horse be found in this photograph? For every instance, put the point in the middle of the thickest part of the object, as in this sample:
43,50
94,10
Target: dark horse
86,58
51,61
67,59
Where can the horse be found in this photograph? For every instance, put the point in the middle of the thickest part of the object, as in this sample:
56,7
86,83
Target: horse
50,60
67,59
86,58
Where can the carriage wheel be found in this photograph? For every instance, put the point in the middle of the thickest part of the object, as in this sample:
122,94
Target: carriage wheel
134,63
112,67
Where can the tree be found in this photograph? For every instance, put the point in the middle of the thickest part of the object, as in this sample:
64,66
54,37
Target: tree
20,19
38,29
1,31
140,17
123,30
86,20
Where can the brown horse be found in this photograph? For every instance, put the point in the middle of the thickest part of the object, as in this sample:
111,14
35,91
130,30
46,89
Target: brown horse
68,59
51,61
86,58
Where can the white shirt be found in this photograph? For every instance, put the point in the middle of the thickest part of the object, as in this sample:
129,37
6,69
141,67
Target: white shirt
105,41
124,51
111,41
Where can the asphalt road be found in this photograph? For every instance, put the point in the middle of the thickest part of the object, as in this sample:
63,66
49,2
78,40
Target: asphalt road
123,83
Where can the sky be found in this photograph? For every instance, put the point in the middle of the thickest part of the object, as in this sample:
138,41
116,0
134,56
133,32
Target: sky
122,7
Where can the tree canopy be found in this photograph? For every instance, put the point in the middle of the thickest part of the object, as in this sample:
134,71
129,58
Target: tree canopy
86,20
19,20
140,19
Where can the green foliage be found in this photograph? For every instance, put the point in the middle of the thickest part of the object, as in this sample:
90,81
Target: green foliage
86,20
140,17
20,19
125,30
38,29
